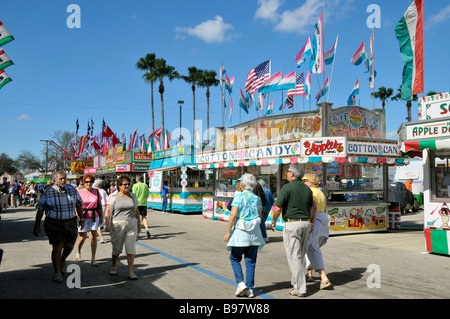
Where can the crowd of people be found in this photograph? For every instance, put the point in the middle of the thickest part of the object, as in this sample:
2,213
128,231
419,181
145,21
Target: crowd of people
75,211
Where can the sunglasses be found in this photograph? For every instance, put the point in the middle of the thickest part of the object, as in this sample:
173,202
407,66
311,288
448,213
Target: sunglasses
88,182
125,184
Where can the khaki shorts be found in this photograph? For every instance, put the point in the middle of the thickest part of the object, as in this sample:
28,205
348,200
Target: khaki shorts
4,198
124,232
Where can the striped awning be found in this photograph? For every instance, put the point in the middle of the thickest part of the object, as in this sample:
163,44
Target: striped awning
418,146
318,159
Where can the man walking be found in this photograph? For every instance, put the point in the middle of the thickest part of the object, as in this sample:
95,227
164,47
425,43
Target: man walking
63,207
4,195
141,191
296,202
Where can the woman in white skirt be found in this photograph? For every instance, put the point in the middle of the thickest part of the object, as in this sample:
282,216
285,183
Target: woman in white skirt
93,216
319,236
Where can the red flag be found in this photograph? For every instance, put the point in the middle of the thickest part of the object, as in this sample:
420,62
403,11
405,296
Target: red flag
105,149
96,146
115,140
107,132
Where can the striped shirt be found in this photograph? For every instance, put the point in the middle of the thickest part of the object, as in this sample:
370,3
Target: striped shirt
60,204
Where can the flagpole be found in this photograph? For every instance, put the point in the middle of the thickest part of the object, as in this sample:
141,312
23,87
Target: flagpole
332,69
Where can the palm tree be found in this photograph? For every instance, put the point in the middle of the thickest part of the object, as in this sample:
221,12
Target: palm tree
147,63
163,70
194,76
398,97
207,80
383,94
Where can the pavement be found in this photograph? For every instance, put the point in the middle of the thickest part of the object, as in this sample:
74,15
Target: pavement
186,259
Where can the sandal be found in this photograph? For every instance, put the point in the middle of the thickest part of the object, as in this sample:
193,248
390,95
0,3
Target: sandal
292,292
78,258
132,276
94,263
325,285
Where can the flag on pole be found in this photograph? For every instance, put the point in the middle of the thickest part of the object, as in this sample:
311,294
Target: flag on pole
243,103
286,83
257,76
307,86
317,44
360,55
352,98
4,79
269,110
322,91
299,86
229,83
329,56
5,36
304,53
231,106
409,33
5,61
371,63
270,84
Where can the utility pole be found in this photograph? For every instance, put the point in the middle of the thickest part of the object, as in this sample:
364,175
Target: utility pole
46,155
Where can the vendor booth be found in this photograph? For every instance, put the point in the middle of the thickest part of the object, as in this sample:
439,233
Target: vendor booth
345,147
429,138
188,185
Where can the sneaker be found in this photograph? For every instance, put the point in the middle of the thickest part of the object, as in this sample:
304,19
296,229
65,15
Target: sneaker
148,234
250,293
241,290
292,292
58,277
132,276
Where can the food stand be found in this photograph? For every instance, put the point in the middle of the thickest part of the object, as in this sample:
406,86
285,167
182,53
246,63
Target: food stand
429,138
344,146
188,185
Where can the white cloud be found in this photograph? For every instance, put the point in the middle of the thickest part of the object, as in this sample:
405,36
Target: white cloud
24,117
391,135
268,10
210,31
441,16
299,20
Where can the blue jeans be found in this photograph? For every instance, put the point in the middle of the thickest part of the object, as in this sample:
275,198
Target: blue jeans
250,254
164,203
264,216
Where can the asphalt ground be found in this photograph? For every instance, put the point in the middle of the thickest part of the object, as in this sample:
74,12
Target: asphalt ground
186,260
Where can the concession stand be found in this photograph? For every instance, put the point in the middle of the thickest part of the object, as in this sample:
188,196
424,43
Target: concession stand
118,161
188,185
345,147
429,138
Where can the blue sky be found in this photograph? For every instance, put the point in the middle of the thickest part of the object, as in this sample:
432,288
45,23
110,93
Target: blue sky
62,74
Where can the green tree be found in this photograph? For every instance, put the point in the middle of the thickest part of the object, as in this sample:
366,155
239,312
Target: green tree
194,77
383,94
163,70
7,164
147,63
207,80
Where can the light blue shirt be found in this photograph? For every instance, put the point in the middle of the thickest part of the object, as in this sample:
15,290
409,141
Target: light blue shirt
246,231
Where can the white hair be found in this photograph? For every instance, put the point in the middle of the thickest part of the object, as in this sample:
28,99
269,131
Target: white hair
248,182
297,169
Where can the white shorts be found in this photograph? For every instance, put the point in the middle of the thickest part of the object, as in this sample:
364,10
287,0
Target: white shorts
89,225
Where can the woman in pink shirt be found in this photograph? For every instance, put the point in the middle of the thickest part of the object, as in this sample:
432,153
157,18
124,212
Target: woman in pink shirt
93,216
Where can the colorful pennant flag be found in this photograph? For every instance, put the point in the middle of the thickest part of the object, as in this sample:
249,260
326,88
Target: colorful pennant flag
409,33
5,61
352,98
4,78
322,91
286,83
317,44
5,36
329,56
304,53
243,103
360,55
270,84
269,110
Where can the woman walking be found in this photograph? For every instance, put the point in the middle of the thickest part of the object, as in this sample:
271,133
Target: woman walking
243,236
319,235
123,223
93,216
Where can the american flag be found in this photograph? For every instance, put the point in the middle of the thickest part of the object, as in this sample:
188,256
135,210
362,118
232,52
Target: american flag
257,76
299,86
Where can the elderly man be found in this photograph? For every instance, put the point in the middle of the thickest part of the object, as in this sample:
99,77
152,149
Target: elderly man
63,207
296,202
